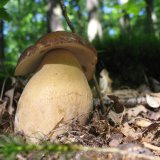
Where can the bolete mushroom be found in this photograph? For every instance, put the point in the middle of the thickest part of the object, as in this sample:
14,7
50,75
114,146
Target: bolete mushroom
58,91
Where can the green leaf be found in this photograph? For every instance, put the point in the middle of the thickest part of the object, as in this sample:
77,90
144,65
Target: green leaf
3,3
4,15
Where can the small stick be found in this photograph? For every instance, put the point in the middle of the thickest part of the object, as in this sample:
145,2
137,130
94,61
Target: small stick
2,91
64,11
99,94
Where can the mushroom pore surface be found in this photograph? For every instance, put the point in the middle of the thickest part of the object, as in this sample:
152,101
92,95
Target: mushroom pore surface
56,94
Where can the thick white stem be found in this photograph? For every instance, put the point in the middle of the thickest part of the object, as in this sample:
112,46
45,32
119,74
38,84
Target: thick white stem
56,94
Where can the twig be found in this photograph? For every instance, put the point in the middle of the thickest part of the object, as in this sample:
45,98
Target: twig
2,90
151,146
99,94
64,11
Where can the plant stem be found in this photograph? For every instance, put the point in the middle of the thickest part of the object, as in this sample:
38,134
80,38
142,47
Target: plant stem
64,11
99,94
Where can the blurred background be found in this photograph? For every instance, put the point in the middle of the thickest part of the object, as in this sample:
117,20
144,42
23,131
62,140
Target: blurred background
126,33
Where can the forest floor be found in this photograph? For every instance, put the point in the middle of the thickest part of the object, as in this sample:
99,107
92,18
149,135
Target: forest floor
129,128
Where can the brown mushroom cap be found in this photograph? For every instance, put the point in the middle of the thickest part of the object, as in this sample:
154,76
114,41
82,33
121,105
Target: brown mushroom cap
83,51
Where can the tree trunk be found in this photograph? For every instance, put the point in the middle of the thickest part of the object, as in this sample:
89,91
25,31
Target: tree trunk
125,24
94,26
54,15
1,43
149,22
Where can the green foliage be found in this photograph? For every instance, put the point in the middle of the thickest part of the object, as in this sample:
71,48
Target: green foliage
11,145
3,13
77,13
27,25
3,3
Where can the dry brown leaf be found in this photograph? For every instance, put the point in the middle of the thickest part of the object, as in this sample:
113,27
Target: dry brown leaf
148,138
134,112
153,127
130,132
156,94
99,125
142,122
116,118
151,133
153,115
116,105
116,139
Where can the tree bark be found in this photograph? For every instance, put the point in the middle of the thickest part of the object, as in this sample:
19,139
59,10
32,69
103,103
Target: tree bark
94,26
125,23
149,22
1,43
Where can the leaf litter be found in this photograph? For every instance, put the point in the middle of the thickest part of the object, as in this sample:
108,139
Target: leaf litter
131,125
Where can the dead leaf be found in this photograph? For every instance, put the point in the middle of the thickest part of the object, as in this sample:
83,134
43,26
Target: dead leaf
99,125
142,122
151,132
153,115
116,139
148,138
105,82
154,126
130,132
116,105
157,134
116,118
153,101
134,112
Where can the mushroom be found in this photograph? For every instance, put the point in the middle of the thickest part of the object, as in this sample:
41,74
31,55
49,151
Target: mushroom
58,92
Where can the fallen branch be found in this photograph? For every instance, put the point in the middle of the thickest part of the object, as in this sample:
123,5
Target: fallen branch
152,100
